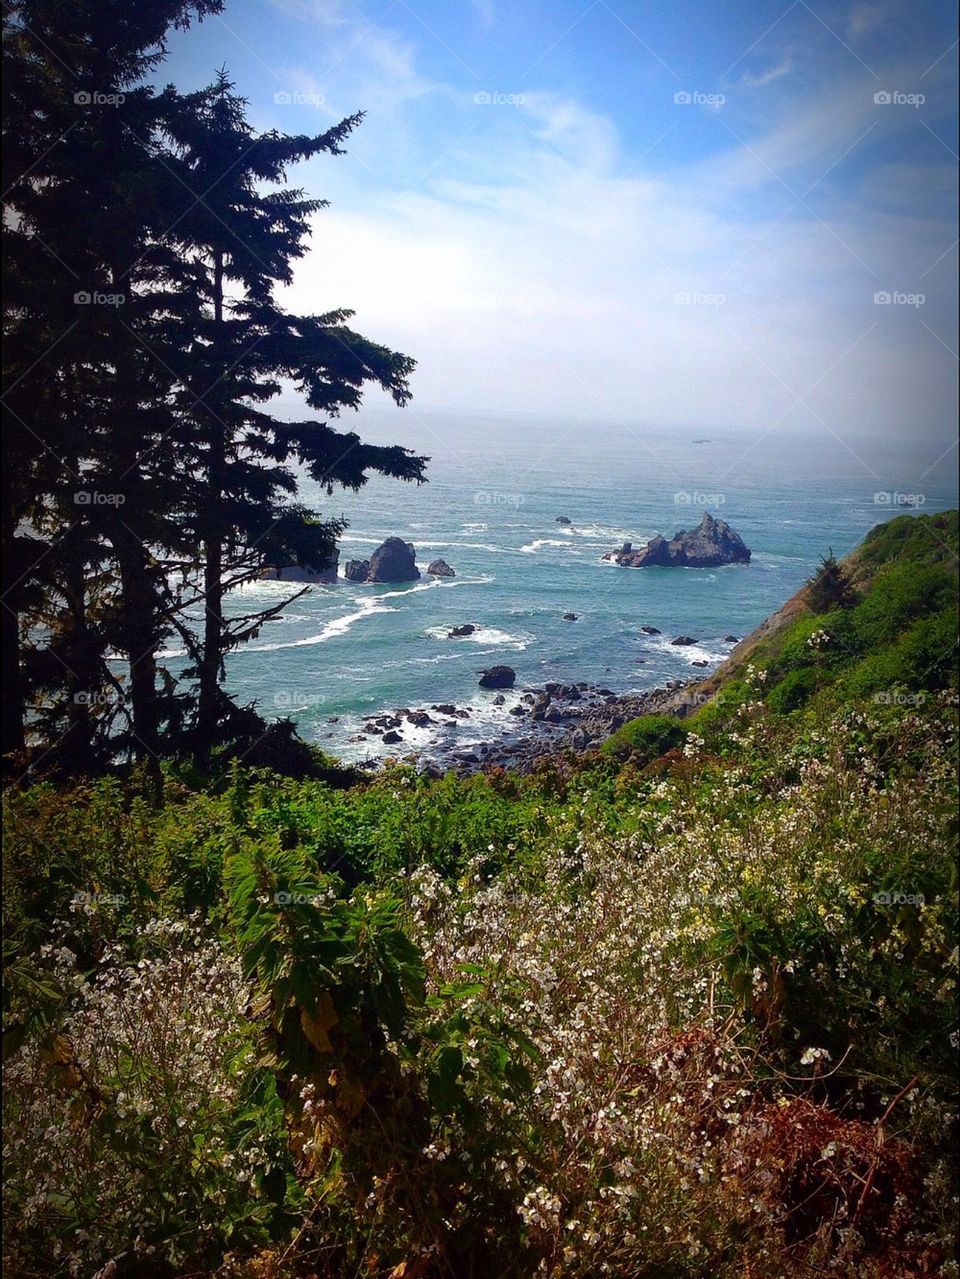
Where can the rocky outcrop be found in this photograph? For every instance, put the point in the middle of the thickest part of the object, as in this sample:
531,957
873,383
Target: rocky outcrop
683,641
393,561
498,677
357,570
563,519
570,617
326,574
712,543
650,630
440,568
461,632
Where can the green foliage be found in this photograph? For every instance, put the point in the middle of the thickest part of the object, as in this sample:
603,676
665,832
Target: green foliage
645,738
794,690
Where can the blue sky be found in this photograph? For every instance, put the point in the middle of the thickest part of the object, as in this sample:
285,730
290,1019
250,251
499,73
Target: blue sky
678,212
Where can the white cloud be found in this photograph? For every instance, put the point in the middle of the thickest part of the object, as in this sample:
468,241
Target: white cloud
535,269
762,78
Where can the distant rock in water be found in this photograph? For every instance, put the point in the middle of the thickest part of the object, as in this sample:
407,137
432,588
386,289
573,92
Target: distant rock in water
683,641
730,639
459,632
393,561
570,617
563,519
440,568
357,570
498,677
301,573
650,630
712,543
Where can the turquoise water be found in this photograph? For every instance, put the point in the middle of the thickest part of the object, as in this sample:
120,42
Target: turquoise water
346,652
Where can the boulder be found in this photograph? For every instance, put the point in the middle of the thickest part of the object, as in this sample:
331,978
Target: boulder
357,570
440,568
393,561
498,677
570,617
459,632
650,630
700,663
712,543
392,737
499,700
683,641
563,519
730,639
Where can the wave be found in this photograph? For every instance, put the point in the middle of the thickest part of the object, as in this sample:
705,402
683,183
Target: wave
339,626
367,606
689,653
484,635
531,548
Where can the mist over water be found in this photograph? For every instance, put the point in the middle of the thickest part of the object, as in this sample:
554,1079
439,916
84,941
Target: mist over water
344,653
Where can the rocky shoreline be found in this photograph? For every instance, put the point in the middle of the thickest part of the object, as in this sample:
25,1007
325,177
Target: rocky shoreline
554,719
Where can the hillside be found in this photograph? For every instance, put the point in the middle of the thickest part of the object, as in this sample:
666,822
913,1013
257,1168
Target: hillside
683,1007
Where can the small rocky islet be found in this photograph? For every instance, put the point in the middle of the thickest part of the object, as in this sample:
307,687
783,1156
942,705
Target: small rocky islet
711,544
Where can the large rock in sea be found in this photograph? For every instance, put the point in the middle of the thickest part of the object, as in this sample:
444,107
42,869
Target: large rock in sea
357,570
393,561
325,574
712,543
498,677
440,568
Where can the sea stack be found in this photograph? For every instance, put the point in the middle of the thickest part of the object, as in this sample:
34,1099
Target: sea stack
440,568
393,561
712,543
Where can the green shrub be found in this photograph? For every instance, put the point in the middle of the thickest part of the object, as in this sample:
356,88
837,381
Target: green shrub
794,690
646,738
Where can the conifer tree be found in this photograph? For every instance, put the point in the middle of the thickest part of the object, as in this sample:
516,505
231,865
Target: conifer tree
240,241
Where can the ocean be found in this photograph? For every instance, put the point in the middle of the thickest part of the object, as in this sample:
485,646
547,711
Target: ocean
344,653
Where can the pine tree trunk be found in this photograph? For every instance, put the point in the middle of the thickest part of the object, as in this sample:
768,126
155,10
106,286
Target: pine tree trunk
140,628
77,746
213,625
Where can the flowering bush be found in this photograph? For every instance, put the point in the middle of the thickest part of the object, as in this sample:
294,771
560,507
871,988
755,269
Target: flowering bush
692,1018
140,1132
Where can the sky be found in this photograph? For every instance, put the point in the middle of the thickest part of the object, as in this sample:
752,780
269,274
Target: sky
673,212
